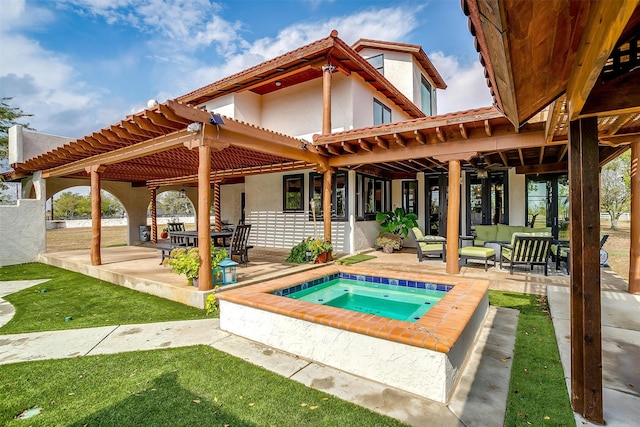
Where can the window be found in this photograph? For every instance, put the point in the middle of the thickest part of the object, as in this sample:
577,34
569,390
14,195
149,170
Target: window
410,196
425,96
293,189
381,113
372,195
377,62
339,184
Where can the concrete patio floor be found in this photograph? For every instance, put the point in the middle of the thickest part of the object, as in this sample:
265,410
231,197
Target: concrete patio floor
486,369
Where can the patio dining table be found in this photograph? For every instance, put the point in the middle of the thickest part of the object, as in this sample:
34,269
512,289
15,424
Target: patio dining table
190,238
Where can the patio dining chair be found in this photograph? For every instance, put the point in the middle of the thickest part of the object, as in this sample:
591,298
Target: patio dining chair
239,243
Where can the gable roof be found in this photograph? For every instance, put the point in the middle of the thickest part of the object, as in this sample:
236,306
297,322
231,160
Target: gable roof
300,65
413,49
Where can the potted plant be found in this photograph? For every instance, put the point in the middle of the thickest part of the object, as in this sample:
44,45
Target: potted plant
389,242
311,249
187,261
165,233
321,250
397,221
394,227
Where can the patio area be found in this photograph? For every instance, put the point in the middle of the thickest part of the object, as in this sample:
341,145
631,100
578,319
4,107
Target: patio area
138,267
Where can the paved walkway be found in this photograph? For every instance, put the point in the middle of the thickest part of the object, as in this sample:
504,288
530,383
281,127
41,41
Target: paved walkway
488,368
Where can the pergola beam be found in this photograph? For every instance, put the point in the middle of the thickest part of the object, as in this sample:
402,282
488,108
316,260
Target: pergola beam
602,32
131,152
524,140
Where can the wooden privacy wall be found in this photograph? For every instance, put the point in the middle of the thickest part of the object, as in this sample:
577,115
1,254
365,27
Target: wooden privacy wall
277,229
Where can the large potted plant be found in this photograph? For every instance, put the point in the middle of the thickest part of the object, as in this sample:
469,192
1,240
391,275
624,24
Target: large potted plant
394,227
187,261
311,249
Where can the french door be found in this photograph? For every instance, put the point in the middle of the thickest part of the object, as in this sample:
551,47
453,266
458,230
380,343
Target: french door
548,203
436,200
487,200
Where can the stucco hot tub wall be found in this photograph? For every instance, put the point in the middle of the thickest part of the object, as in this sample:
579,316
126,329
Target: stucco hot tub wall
423,357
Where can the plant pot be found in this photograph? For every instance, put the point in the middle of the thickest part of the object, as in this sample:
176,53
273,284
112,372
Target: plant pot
164,235
387,249
324,257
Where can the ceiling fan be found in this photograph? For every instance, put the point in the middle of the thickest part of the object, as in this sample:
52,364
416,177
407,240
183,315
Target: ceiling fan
483,168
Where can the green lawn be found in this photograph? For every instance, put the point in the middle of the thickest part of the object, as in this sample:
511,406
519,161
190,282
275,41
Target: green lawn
537,390
170,387
190,386
90,302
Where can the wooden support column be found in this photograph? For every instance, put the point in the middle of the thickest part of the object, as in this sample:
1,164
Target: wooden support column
154,215
586,338
96,213
216,205
326,98
204,221
634,250
326,203
453,218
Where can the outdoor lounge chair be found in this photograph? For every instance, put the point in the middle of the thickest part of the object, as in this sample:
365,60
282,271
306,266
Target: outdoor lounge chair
560,252
429,245
526,249
239,243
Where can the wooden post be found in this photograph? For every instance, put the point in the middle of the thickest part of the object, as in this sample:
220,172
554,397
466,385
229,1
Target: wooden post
453,218
326,98
586,338
96,214
634,250
326,203
204,222
216,205
154,216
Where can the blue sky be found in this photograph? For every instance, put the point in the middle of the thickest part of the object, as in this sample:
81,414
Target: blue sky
81,65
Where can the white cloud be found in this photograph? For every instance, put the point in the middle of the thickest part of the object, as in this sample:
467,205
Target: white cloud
189,45
466,85
399,21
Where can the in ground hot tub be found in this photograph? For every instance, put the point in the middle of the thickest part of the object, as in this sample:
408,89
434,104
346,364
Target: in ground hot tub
422,354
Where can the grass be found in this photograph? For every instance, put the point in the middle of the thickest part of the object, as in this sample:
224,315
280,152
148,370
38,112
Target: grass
537,389
190,386
90,302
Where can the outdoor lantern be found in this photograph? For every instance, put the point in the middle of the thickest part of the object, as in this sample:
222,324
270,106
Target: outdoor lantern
308,254
228,274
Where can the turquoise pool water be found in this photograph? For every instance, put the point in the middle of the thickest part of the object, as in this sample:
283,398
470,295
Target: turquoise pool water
394,302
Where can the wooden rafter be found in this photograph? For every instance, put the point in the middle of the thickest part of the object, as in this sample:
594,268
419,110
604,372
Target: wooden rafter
463,131
604,27
552,119
151,146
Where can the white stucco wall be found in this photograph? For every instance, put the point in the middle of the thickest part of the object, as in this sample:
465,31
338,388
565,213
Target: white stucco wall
25,144
22,227
248,107
517,196
224,105
230,202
